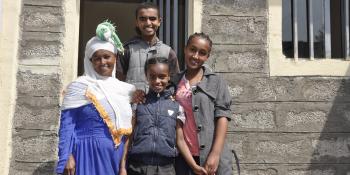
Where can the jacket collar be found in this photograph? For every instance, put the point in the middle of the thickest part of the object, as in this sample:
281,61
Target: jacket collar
204,85
139,39
169,91
206,72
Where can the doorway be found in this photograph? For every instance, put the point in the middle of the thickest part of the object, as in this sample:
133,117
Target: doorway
173,30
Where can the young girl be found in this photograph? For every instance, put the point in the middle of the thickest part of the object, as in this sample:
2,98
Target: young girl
206,101
157,127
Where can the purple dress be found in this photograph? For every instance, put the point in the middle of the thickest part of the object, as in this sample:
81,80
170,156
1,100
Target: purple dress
84,135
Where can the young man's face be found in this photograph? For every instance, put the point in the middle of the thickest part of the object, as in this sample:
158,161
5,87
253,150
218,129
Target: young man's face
148,21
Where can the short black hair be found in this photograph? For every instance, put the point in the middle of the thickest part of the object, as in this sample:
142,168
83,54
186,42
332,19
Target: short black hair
156,60
202,36
146,5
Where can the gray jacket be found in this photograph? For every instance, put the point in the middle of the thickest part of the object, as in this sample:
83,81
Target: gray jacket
137,51
210,100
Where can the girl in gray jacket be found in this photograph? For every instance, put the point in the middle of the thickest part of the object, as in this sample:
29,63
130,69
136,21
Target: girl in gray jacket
206,101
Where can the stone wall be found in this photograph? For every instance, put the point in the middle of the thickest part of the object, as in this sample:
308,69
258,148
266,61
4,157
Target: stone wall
281,125
34,133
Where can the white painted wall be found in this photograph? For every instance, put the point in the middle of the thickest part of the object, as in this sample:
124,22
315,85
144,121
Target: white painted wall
9,37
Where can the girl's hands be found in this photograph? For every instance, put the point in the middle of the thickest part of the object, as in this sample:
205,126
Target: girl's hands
70,166
138,96
212,163
199,170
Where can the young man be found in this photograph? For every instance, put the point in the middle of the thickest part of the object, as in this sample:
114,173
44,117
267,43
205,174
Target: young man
144,46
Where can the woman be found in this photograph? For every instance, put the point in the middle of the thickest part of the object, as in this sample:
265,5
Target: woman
96,112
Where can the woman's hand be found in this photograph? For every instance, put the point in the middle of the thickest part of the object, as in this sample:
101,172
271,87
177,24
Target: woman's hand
199,170
70,166
122,171
138,96
212,163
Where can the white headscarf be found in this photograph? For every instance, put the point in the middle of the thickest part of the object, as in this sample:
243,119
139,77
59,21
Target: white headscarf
117,93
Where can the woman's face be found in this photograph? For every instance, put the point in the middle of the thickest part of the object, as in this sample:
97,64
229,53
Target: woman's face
196,53
103,62
158,76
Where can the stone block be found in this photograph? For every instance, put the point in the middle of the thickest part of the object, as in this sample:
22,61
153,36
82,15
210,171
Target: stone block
39,85
318,169
253,117
294,169
32,168
295,148
27,117
235,8
34,145
44,45
313,117
239,58
257,88
235,30
48,3
40,18
236,143
259,169
38,102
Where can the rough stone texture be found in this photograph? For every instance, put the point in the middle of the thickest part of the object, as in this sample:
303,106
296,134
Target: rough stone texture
36,145
313,117
41,115
41,18
235,30
44,45
235,8
257,87
239,59
257,116
292,169
38,85
291,148
25,168
35,123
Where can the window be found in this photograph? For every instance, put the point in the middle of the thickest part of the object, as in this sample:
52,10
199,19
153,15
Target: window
315,29
173,30
309,37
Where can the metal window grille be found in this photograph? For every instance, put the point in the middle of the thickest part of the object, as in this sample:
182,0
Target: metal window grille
173,30
316,29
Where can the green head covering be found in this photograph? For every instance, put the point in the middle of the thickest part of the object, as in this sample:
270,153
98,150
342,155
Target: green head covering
106,32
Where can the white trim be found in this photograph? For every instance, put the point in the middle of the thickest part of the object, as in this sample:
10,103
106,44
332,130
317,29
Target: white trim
195,8
280,66
69,63
9,43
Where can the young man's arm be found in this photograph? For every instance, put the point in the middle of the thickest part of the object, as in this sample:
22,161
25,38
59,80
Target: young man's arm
173,63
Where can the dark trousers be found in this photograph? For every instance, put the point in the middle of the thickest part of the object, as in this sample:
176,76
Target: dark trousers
181,166
137,168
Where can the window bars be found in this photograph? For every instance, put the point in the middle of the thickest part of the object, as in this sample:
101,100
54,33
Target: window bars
173,30
315,29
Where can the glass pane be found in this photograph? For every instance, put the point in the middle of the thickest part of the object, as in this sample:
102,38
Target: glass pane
302,18
287,29
318,22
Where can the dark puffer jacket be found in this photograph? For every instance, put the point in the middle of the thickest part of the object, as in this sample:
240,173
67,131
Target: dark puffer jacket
154,137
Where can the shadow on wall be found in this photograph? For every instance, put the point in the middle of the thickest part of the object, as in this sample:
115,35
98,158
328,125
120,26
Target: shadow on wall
45,168
331,147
